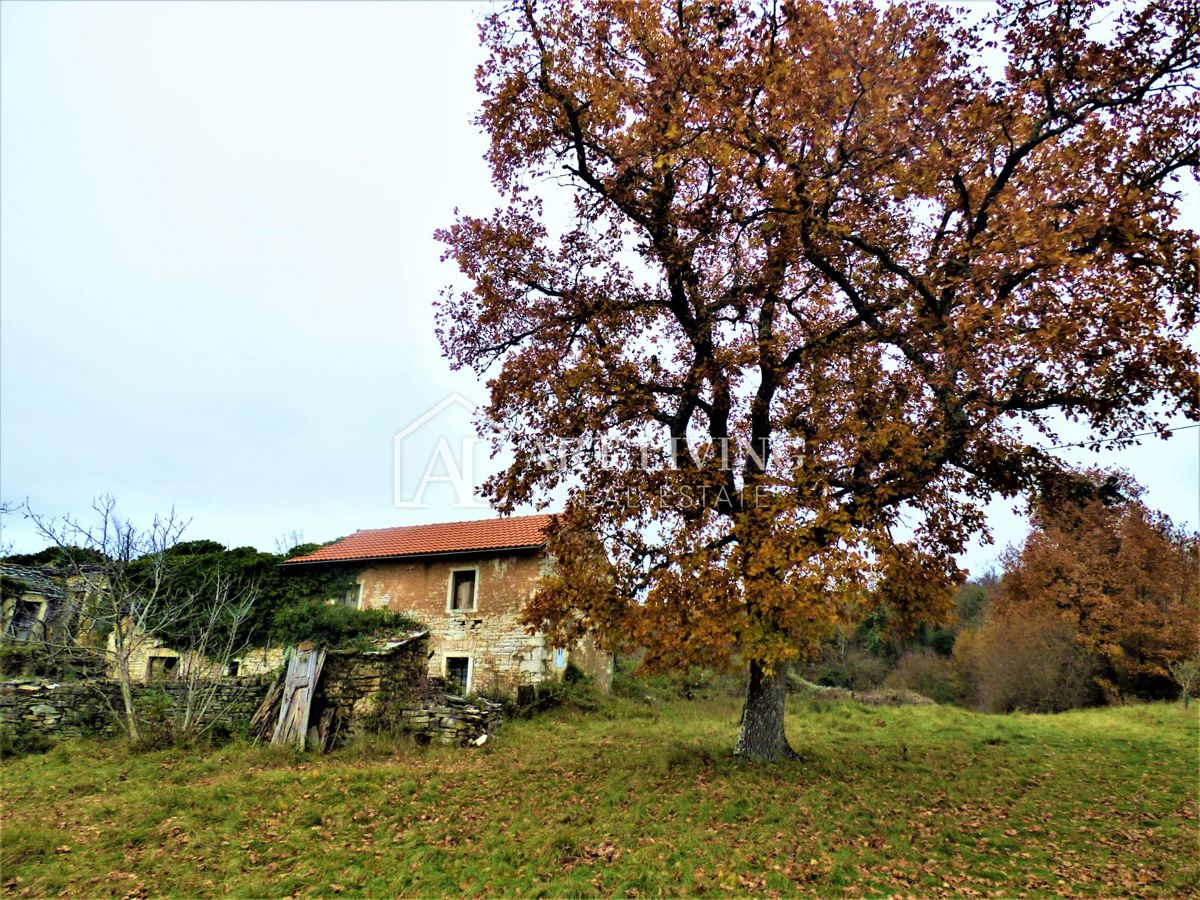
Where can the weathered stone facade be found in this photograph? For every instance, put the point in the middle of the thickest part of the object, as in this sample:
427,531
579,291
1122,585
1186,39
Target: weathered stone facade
389,689
501,654
365,691
149,659
80,709
37,603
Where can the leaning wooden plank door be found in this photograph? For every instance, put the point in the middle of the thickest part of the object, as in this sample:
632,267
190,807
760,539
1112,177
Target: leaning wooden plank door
304,668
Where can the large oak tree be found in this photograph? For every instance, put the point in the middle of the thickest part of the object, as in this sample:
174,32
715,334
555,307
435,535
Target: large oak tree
845,265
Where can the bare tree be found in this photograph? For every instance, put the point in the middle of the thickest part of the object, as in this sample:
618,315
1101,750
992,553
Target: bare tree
118,570
215,638
286,543
7,508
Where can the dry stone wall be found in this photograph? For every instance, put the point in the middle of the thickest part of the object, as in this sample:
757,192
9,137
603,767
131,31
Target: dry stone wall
358,691
442,716
60,710
383,690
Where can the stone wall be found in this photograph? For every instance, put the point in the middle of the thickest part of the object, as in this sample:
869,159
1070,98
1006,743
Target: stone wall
387,688
60,710
442,716
380,689
254,661
71,709
362,691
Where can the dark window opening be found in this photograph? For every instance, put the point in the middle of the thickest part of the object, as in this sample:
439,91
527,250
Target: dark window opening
26,620
462,590
161,667
234,668
458,670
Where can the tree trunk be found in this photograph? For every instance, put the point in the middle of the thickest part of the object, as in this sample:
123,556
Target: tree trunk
762,737
131,723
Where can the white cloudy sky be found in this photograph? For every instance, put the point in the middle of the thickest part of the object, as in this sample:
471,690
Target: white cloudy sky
217,264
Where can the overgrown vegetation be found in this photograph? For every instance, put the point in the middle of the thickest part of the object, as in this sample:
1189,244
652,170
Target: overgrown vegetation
334,625
915,801
576,691
289,606
18,739
278,592
1101,603
36,659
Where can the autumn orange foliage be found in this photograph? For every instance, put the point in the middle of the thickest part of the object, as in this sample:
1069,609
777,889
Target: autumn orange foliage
836,268
1122,577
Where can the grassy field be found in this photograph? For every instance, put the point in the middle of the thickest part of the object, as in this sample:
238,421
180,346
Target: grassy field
916,801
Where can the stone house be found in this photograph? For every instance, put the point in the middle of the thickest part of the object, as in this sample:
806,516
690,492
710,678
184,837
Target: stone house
468,583
152,660
38,603
47,605
28,597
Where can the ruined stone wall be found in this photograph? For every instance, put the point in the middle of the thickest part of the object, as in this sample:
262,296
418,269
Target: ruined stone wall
594,662
448,719
73,709
365,692
503,655
384,690
80,709
257,661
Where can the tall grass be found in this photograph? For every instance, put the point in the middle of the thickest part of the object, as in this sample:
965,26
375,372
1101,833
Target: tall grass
642,797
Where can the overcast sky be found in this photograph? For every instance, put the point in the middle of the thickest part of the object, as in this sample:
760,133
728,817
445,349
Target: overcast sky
217,266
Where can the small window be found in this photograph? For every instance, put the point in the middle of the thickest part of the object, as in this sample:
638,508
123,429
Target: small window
458,672
234,668
27,620
352,595
462,590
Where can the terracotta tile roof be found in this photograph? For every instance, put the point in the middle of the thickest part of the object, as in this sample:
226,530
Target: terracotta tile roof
511,533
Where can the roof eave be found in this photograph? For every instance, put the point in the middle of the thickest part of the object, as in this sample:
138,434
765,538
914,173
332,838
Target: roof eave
402,557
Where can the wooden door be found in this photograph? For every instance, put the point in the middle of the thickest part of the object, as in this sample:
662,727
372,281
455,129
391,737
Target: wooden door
304,669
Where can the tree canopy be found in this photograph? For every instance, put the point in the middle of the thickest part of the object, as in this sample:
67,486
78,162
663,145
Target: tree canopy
190,569
845,268
1122,576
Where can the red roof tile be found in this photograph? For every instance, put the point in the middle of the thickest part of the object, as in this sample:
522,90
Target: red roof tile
511,533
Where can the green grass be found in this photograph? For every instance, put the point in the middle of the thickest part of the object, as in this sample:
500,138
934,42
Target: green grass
920,801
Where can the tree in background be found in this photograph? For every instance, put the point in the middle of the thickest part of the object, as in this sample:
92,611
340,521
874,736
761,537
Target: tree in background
1186,674
288,607
1120,576
836,270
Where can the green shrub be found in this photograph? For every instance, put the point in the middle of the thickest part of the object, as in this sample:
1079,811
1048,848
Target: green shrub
578,694
334,625
35,659
851,667
572,674
690,684
18,741
155,714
